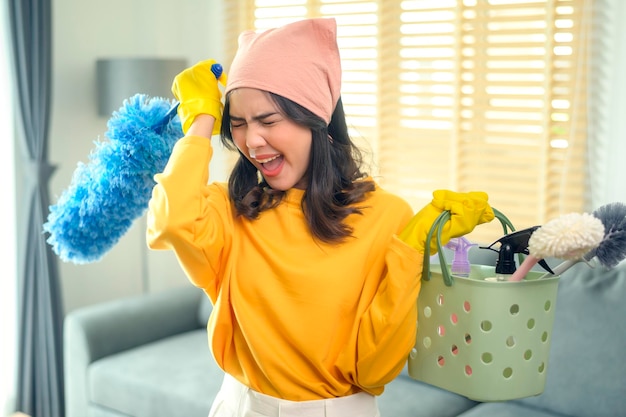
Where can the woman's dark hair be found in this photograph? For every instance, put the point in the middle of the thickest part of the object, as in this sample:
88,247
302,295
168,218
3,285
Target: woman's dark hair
335,182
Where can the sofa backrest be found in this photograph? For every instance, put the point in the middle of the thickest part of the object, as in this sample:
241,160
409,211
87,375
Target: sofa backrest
204,311
586,368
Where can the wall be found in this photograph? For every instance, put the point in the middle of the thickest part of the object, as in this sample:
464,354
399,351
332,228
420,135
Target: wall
615,189
84,31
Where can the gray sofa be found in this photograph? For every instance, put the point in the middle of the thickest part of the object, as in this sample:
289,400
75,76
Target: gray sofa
148,356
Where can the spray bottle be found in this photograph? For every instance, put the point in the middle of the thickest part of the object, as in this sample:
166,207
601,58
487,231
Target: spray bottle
460,264
505,265
511,244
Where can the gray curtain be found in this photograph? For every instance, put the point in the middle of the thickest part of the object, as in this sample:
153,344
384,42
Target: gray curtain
40,353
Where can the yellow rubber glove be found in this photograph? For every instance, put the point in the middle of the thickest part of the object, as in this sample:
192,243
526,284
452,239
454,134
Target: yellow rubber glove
197,92
467,211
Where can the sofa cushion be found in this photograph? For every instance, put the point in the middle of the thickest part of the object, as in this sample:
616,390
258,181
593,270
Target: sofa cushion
586,368
507,409
406,397
97,411
176,376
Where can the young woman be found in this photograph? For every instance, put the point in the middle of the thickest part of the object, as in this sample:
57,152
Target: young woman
314,291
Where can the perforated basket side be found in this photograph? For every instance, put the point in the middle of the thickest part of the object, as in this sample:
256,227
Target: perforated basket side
488,341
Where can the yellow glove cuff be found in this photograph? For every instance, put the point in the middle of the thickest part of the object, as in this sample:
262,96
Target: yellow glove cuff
423,220
188,111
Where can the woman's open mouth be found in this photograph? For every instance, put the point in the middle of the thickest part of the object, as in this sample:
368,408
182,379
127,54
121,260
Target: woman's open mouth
270,165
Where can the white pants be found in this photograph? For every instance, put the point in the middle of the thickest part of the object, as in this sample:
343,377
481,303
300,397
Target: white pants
236,400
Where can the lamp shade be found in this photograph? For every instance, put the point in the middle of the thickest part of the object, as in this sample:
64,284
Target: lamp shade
120,78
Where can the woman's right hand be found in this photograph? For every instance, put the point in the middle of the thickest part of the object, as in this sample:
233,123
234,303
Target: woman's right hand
198,93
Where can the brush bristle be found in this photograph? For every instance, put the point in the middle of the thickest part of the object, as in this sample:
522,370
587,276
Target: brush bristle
567,237
612,249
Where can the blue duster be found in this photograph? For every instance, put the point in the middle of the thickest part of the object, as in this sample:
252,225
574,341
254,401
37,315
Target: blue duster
113,189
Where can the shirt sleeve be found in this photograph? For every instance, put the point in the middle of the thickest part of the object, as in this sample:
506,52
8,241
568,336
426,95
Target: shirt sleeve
188,216
387,329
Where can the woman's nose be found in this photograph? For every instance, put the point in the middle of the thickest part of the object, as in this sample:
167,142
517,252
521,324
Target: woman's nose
254,139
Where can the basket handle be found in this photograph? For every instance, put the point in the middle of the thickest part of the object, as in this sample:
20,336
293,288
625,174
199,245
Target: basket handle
438,224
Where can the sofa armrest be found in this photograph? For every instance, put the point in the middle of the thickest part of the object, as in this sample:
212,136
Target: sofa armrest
100,330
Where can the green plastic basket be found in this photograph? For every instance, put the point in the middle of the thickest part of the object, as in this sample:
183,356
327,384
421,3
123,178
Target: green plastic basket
487,341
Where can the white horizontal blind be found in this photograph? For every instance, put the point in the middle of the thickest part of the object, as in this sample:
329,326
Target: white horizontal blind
485,96
464,95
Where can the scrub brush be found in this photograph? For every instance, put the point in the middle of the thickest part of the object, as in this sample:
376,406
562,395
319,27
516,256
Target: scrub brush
570,236
612,249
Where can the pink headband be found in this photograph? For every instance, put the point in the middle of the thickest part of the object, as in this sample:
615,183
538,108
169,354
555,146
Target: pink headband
299,61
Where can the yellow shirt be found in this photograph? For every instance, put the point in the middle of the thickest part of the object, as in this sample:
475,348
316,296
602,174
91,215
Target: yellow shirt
293,318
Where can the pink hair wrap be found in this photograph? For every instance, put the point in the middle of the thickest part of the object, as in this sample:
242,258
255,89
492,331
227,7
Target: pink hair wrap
299,61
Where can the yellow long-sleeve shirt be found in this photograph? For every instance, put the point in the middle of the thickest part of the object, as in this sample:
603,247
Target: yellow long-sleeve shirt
293,318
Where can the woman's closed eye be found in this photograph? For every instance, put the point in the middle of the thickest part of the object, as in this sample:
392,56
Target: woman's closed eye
236,125
265,119
236,122
268,119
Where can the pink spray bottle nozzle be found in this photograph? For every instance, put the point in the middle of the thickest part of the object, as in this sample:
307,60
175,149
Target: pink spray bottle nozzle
460,264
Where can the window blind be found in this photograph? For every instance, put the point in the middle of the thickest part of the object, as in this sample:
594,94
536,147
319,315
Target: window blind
464,95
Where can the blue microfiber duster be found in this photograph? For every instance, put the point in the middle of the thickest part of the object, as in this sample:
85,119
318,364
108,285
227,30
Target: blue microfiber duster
113,189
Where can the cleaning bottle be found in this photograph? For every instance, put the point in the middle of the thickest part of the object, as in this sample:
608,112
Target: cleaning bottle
505,265
460,264
511,244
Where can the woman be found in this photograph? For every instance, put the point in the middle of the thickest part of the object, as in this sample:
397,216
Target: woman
314,293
